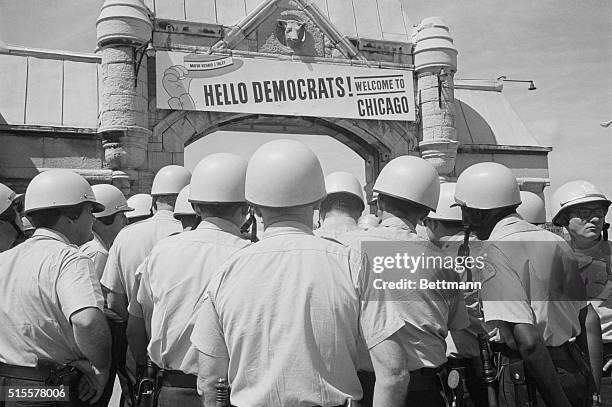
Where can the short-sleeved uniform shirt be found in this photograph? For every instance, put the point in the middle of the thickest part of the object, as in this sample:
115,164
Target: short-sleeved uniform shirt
97,251
425,315
594,264
285,311
174,278
130,248
552,291
43,281
335,226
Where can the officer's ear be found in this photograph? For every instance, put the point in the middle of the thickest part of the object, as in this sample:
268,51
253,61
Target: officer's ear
563,219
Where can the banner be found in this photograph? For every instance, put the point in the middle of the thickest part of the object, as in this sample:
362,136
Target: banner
225,83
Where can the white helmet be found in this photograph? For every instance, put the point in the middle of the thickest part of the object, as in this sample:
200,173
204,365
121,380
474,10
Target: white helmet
532,208
487,185
141,203
58,188
344,182
170,179
219,178
410,179
284,173
7,196
183,207
446,209
112,199
575,193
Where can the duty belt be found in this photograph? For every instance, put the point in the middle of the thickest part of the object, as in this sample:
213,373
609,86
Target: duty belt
425,379
46,371
177,378
24,373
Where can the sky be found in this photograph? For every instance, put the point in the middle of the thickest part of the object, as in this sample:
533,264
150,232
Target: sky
565,46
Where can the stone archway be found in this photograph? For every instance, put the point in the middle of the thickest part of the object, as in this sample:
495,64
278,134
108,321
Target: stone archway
377,142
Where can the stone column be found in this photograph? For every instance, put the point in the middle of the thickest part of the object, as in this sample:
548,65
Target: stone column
123,29
435,60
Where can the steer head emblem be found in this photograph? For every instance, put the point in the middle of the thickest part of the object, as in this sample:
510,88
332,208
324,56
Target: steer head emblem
292,32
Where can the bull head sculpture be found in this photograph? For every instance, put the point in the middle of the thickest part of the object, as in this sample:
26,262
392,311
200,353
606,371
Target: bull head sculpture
294,32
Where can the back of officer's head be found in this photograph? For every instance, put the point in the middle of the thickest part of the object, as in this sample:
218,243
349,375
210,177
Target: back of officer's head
486,192
407,187
344,196
285,180
341,204
217,188
112,219
64,201
167,184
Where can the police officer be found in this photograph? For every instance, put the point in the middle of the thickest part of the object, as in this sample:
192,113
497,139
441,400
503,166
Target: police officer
107,225
342,206
50,299
444,227
177,272
580,207
183,211
128,251
10,222
531,292
143,208
280,319
532,208
408,189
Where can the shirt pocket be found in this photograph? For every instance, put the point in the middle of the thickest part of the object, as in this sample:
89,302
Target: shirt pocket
595,279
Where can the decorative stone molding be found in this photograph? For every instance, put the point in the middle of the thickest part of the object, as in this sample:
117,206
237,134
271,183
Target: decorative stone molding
434,48
123,22
125,147
441,154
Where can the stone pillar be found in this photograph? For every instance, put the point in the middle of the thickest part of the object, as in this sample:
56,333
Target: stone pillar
435,60
124,28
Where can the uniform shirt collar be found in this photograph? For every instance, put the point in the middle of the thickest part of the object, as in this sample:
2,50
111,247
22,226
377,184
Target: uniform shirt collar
46,233
100,241
285,228
510,224
163,214
338,222
398,223
220,224
597,250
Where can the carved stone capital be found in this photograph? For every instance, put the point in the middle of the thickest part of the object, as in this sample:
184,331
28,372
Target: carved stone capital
441,154
125,147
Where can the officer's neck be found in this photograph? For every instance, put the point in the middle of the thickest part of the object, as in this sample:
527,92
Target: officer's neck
335,213
581,243
301,214
105,233
162,206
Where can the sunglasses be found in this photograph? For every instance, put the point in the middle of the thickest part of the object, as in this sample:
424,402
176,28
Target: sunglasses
587,213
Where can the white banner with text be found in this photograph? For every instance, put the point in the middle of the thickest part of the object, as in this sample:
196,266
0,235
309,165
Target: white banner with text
225,83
